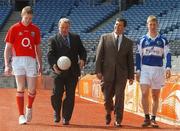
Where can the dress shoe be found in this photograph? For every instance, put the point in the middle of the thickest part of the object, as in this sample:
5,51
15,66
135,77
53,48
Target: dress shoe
65,122
117,124
108,119
56,117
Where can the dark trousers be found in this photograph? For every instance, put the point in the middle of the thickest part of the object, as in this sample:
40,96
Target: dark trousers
68,85
111,89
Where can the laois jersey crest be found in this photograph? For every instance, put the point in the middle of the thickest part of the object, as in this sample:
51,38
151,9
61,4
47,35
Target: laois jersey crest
152,51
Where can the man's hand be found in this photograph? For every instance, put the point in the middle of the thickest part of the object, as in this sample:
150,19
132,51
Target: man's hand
56,69
39,70
138,76
131,81
168,74
81,64
7,71
99,76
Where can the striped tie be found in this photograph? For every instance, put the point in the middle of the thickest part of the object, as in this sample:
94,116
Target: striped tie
66,42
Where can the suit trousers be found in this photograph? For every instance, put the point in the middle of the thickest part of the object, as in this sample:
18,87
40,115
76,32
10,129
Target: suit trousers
64,84
115,88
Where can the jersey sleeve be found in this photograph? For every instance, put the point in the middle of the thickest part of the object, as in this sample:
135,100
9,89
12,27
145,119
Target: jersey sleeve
10,36
138,55
167,53
37,38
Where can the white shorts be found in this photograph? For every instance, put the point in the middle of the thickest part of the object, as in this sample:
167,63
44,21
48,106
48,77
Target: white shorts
152,76
24,65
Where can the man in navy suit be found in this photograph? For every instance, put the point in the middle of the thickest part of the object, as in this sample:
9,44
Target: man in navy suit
65,43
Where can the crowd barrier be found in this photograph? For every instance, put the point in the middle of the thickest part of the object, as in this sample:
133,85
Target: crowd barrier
89,88
169,106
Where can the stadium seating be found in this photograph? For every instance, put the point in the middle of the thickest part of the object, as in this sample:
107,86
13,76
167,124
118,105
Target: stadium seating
47,13
137,15
5,11
86,15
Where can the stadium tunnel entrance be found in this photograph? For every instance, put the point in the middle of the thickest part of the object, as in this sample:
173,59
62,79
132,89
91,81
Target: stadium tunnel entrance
20,4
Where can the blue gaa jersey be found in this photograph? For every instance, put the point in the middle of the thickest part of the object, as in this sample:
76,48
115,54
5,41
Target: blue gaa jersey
151,51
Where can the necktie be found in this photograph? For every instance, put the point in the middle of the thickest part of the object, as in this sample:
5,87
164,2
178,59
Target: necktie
117,42
66,42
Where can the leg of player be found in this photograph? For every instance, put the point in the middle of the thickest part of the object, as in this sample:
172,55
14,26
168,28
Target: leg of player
145,104
155,97
20,81
31,81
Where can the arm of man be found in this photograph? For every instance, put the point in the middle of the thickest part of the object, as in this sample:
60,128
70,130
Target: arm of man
7,55
82,53
99,59
52,55
167,56
130,64
138,60
39,58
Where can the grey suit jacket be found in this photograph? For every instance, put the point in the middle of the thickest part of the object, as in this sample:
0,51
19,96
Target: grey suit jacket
110,61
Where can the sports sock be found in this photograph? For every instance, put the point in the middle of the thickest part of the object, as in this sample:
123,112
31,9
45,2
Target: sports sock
153,118
147,116
20,102
31,98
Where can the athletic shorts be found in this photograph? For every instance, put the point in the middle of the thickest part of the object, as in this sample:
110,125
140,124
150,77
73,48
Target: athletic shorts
24,65
152,76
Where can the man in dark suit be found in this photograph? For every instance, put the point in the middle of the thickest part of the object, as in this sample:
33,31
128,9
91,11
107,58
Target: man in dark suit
65,43
114,66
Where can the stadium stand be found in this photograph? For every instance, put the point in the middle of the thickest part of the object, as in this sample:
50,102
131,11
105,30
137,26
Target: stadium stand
47,13
84,18
5,11
90,19
88,15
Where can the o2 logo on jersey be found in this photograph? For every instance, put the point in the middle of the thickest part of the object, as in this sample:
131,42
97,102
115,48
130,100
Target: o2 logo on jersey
26,43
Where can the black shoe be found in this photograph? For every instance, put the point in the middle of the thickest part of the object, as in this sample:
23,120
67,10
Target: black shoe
117,124
146,123
65,122
154,124
56,117
108,119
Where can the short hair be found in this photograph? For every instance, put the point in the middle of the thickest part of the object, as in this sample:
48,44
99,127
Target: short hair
152,18
65,20
122,20
27,10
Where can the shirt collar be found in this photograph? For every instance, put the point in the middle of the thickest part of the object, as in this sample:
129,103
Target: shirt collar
120,36
152,38
24,25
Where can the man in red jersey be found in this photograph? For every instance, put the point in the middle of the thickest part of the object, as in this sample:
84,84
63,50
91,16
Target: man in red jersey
23,44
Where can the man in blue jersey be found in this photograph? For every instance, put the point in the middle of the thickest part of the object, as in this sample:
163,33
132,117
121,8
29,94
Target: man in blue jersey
151,49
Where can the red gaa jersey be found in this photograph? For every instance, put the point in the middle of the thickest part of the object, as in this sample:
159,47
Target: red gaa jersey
23,39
